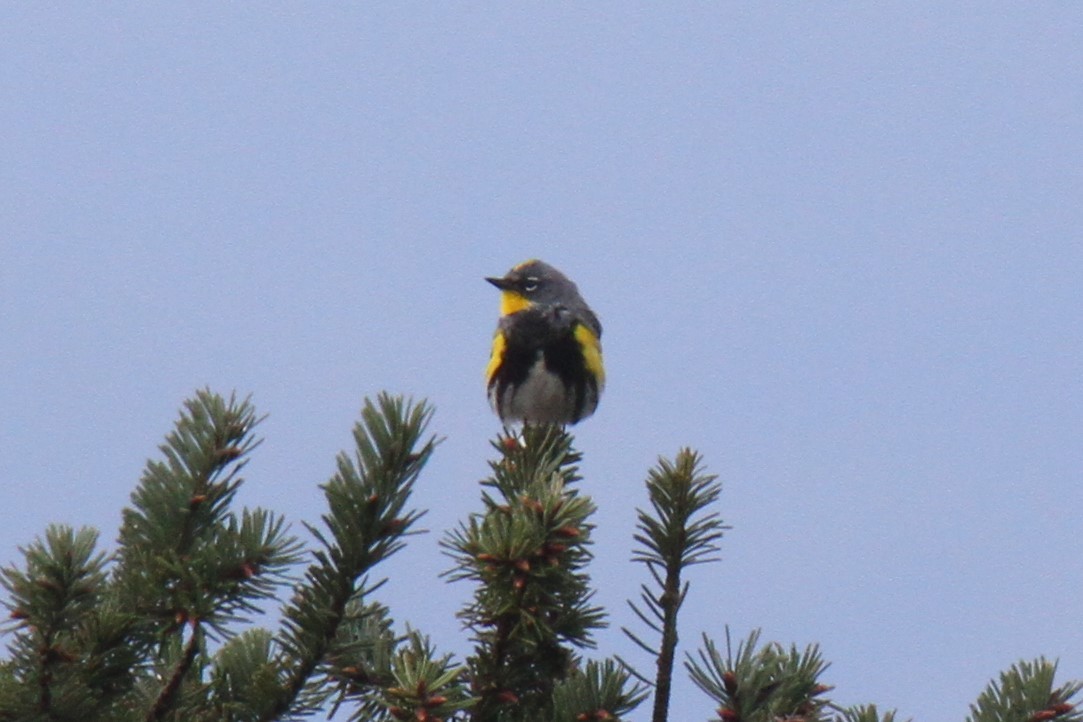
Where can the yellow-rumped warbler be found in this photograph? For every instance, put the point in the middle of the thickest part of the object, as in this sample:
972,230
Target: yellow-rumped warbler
546,362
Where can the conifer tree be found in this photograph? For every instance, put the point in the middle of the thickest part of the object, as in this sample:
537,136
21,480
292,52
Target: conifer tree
162,626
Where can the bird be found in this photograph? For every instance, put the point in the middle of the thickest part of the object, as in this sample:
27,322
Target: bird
545,364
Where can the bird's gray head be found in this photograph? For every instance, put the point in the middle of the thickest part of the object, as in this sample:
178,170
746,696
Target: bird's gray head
536,282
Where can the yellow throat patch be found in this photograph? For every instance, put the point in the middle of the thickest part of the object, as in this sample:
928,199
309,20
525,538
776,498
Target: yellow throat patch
512,302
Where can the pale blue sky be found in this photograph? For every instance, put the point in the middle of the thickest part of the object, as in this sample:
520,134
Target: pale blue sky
836,247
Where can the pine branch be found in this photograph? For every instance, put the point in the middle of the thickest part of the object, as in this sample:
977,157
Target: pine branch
527,553
864,713
360,660
1025,693
426,687
63,581
187,561
598,693
762,684
676,534
184,556
244,678
132,645
164,703
366,523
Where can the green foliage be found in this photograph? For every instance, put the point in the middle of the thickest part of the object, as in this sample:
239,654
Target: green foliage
424,686
677,533
130,637
162,628
185,557
244,680
366,523
598,691
61,657
672,535
865,713
527,552
760,684
1025,693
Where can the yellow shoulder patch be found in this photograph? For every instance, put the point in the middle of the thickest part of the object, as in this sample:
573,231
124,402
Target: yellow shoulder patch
592,352
496,356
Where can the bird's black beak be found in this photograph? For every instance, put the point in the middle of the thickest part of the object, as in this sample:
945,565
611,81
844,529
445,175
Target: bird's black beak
502,283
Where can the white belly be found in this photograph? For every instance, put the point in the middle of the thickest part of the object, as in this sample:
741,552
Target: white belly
542,398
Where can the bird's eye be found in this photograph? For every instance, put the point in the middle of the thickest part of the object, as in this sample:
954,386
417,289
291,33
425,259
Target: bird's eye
530,284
